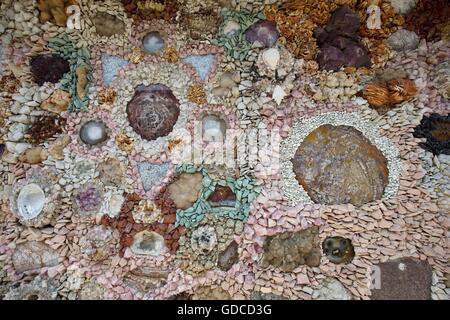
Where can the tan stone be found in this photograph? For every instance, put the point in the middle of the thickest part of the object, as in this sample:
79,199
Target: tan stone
57,102
186,189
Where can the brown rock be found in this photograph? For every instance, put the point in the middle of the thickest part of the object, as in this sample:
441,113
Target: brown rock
56,148
337,165
403,279
53,11
289,250
108,25
228,257
153,111
81,74
222,197
111,172
33,155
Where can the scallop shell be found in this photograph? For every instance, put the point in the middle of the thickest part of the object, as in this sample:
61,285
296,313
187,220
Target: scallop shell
31,201
271,57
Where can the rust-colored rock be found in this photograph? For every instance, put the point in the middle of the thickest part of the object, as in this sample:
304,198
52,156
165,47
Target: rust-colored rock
222,197
338,165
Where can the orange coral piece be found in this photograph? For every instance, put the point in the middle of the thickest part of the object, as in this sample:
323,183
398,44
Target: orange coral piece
390,94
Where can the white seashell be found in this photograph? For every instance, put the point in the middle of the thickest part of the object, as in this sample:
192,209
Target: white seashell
31,201
271,57
278,94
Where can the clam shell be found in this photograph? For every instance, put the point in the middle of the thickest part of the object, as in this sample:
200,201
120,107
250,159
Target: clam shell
271,57
31,201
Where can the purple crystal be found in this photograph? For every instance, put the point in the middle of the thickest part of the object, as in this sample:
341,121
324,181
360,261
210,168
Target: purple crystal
2,149
339,42
263,32
88,200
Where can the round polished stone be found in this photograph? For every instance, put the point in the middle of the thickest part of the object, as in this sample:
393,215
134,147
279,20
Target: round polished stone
153,42
93,132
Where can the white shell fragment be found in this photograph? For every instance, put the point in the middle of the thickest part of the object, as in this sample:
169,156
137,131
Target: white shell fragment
271,57
278,94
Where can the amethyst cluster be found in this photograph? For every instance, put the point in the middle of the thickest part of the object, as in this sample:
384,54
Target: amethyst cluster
263,33
89,199
339,42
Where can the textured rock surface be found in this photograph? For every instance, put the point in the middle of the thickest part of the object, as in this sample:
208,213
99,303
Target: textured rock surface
228,257
186,189
222,197
153,111
214,129
146,278
151,173
403,7
337,165
404,279
403,40
33,255
93,132
332,289
153,42
111,172
48,68
289,250
436,130
108,25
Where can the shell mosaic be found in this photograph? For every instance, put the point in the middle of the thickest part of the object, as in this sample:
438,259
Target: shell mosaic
224,150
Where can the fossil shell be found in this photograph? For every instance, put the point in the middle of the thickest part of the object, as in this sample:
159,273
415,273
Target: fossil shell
31,201
271,57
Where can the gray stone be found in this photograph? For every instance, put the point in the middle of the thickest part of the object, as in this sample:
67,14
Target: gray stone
33,255
403,40
332,289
